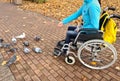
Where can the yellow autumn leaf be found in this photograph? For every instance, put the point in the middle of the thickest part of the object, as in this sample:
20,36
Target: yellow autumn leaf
2,51
93,63
84,78
18,58
45,22
117,68
7,30
3,63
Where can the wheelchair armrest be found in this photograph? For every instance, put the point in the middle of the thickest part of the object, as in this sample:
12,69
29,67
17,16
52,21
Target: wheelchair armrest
90,30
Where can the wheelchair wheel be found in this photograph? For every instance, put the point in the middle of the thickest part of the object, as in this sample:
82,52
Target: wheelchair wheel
100,55
70,60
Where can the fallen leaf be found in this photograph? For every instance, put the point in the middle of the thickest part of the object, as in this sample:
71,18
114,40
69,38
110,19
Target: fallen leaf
84,78
6,16
93,63
3,63
53,21
61,66
55,57
2,51
117,68
44,22
24,25
24,17
112,56
7,30
42,39
18,58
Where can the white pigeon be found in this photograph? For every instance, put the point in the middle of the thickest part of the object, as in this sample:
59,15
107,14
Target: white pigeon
14,40
21,36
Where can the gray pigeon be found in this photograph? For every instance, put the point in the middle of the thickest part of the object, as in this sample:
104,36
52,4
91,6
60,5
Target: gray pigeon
26,43
1,45
7,45
11,60
13,50
37,50
1,40
26,50
37,38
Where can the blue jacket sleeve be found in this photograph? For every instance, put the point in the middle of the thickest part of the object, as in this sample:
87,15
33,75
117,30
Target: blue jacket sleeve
73,16
94,13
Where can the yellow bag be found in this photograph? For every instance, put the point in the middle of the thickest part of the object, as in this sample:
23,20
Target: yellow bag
109,28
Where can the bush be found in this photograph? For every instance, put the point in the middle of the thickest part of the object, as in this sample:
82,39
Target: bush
40,1
37,1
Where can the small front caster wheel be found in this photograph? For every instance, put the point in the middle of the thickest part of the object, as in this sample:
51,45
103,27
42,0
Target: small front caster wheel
70,60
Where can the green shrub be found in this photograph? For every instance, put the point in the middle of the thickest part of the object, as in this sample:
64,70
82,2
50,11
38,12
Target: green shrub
40,1
37,1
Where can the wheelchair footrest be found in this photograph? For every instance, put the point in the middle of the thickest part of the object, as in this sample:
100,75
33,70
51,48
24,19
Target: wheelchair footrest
57,51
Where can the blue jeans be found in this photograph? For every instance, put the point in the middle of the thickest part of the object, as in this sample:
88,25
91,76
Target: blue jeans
71,34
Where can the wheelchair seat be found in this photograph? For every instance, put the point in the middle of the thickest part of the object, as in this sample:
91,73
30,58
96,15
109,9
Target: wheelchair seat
86,34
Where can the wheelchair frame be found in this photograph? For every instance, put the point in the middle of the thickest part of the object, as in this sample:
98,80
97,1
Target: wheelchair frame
93,55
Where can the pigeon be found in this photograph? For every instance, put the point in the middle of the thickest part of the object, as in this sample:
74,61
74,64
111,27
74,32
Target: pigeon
13,50
21,36
37,38
14,40
37,50
1,45
6,45
26,50
1,40
26,43
11,60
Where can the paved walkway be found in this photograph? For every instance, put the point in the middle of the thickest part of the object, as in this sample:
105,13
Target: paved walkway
43,67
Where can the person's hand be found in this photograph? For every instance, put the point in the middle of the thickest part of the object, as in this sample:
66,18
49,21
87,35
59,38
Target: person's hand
60,24
77,29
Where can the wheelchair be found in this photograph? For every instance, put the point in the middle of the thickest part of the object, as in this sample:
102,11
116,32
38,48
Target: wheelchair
92,51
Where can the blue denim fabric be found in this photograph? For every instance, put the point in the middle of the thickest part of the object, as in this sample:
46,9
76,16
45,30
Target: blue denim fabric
71,34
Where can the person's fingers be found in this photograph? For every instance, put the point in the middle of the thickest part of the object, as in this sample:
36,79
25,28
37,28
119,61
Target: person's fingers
60,24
